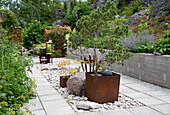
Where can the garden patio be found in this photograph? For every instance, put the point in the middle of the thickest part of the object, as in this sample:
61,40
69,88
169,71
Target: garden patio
154,100
84,57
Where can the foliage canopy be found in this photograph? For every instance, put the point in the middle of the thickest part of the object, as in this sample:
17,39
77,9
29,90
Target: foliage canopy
10,18
95,26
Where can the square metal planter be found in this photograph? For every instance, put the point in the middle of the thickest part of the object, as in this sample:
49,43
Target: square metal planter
102,89
63,81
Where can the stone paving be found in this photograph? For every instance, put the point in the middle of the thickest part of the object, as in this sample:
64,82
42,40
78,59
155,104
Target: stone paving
49,101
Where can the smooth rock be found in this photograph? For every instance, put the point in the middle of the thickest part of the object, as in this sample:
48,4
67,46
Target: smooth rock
107,73
76,84
87,105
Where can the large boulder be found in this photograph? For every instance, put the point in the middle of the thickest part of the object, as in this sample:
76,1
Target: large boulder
76,84
160,8
137,18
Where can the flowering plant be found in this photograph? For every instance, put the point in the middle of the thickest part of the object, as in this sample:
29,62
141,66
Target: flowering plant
66,73
136,42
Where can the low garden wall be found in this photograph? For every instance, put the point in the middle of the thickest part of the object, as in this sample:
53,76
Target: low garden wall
147,67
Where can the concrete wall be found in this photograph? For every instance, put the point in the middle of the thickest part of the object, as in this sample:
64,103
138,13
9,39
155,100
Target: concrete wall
146,67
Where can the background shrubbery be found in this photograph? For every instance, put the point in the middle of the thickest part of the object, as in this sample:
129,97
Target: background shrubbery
33,34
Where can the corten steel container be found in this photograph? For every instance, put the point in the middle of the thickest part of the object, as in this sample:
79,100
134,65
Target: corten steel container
63,81
102,89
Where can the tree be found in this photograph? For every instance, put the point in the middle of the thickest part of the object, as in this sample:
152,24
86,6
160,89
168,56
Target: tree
27,10
33,34
72,17
10,18
95,26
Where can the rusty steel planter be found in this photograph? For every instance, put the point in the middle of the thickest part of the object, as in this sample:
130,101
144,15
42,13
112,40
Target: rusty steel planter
63,81
102,89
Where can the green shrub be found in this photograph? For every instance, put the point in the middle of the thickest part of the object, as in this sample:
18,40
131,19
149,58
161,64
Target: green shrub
15,87
135,6
145,26
33,34
167,33
10,18
162,46
126,11
72,17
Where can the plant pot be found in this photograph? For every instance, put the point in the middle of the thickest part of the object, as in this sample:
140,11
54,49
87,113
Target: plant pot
63,81
102,89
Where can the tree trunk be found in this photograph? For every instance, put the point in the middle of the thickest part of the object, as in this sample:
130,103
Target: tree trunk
68,6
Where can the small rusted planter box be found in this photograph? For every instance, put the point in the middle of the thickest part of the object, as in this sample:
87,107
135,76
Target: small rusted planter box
102,89
63,81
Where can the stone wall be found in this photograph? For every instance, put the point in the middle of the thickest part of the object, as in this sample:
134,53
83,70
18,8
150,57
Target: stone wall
147,67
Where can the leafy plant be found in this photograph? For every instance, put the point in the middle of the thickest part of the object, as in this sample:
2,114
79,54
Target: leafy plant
144,26
162,46
71,18
33,34
16,87
126,11
135,6
137,43
149,7
93,26
117,20
10,18
167,33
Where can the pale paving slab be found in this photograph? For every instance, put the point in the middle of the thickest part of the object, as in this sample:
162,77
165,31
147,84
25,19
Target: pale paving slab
126,90
90,113
43,84
164,98
47,92
139,87
116,112
143,111
33,106
44,88
50,98
36,75
157,93
164,108
43,80
126,81
59,107
39,112
137,95
150,101
34,100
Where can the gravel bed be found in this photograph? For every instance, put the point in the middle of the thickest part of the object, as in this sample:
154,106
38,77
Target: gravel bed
82,104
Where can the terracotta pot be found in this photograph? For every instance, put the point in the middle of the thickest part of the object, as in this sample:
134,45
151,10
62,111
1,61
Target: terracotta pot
63,81
102,89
